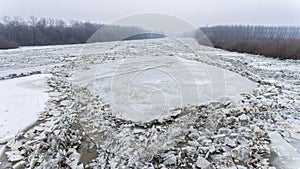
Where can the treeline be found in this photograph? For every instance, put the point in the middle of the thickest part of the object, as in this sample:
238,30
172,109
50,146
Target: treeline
145,36
44,31
276,42
17,31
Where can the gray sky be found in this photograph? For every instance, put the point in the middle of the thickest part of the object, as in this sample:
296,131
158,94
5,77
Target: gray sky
197,12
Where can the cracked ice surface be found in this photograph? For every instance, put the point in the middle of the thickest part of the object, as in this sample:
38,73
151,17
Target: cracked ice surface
21,101
147,87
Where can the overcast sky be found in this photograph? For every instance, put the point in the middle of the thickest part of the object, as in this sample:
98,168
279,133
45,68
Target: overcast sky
197,12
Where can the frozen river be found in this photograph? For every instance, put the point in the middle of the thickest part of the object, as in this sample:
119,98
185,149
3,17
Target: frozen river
143,80
21,101
148,87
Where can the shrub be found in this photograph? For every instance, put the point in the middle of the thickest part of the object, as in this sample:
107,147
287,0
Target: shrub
276,42
7,44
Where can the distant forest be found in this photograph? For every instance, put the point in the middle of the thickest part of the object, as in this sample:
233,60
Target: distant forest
16,31
276,42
